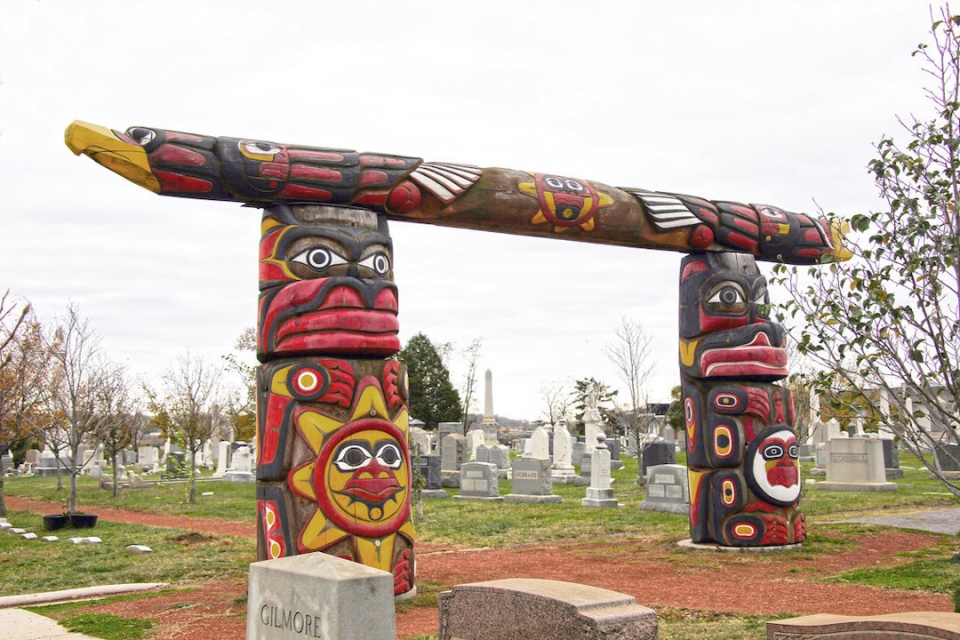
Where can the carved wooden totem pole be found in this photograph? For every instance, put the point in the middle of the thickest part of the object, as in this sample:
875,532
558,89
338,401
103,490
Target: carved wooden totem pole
333,469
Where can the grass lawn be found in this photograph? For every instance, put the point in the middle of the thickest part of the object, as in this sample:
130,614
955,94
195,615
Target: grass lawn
34,566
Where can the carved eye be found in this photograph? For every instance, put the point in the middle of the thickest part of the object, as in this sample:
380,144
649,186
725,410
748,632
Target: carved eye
141,135
727,298
793,451
319,258
352,457
772,452
379,263
259,150
389,456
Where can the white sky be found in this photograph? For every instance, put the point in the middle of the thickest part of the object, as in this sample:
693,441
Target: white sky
772,102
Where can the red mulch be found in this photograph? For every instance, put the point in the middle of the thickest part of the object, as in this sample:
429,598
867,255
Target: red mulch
649,570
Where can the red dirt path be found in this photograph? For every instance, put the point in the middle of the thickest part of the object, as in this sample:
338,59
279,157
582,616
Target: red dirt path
650,570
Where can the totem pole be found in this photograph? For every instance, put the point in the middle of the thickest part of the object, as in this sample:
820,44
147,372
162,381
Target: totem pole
333,469
742,456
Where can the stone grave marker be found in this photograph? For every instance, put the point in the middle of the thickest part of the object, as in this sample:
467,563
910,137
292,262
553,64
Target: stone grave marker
948,458
891,459
855,464
534,609
667,489
540,443
562,470
599,493
446,428
499,455
223,459
579,448
419,438
481,453
453,453
586,464
242,465
475,439
653,454
430,470
479,481
613,446
531,481
316,595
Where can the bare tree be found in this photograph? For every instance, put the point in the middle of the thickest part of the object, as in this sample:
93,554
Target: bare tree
557,399
630,353
472,355
121,418
240,404
79,375
190,403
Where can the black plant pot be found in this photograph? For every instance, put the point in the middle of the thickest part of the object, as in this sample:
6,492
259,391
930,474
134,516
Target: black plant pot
83,520
54,521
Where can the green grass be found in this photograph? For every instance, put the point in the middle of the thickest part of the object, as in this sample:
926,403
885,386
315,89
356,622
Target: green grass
232,501
933,571
34,566
691,624
107,626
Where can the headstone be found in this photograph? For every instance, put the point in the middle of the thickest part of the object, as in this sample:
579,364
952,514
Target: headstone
533,609
175,465
474,440
6,463
419,438
96,472
453,450
453,453
667,489
138,548
531,481
206,455
948,458
430,470
316,595
446,428
46,465
499,455
32,457
855,464
49,539
478,481
128,457
578,449
613,446
891,459
540,443
653,454
28,536
562,470
806,452
148,458
586,464
599,493
242,465
223,459
527,448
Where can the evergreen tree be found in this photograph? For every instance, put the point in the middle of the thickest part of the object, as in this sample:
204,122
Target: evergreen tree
433,399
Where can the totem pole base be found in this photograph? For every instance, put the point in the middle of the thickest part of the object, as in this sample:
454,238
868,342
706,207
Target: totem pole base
710,546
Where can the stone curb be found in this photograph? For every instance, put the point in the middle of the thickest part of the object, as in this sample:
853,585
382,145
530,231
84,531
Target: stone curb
48,597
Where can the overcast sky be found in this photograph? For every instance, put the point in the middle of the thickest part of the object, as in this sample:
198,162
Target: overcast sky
770,102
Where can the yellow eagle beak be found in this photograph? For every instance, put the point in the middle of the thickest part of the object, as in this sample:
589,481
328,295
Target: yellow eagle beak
104,147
